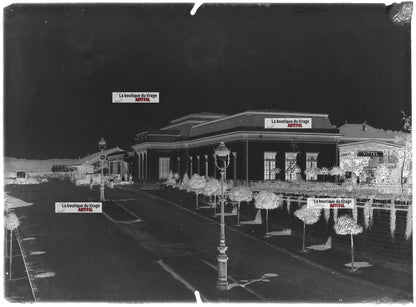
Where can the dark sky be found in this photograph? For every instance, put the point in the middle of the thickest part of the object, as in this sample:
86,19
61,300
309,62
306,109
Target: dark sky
62,62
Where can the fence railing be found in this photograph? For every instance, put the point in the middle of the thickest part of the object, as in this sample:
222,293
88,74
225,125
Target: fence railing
379,204
380,201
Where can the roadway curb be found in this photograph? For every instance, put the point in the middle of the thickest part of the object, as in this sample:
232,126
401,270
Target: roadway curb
22,251
296,256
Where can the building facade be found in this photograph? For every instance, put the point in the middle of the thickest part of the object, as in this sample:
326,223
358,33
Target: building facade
264,145
369,155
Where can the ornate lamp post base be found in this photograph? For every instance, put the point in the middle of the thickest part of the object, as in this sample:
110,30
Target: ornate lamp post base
222,280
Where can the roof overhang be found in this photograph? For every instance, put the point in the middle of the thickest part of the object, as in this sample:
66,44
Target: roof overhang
370,141
239,136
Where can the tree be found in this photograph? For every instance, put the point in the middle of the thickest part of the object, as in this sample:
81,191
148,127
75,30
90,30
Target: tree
240,194
382,174
407,122
355,165
176,179
347,226
170,180
336,171
323,171
293,168
406,141
12,222
213,188
309,216
311,172
197,184
409,220
185,182
267,200
176,176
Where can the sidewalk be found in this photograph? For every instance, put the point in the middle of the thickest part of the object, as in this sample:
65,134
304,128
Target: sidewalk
18,288
331,259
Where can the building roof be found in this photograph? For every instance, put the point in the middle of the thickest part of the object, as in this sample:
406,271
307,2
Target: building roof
95,157
370,143
200,115
185,123
202,125
365,131
256,120
286,112
165,132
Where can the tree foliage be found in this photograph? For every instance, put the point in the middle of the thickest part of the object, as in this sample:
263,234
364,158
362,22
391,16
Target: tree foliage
308,215
241,193
347,226
267,200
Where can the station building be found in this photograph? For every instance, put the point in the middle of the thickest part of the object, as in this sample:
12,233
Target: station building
260,142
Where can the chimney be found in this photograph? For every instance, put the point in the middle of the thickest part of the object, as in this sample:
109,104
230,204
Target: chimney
364,126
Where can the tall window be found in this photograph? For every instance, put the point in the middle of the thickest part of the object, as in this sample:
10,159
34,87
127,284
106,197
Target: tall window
290,166
164,167
311,163
269,165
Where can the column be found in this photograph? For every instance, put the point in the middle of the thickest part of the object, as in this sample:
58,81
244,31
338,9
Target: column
179,165
199,165
234,166
214,173
191,170
246,154
206,166
145,165
142,155
139,167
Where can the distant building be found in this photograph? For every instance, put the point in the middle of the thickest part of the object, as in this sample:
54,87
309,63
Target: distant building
91,163
23,171
260,141
363,149
119,164
365,132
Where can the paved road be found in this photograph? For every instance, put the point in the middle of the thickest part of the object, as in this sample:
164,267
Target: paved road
87,257
94,257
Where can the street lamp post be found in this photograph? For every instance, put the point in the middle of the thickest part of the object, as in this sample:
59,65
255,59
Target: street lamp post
222,154
102,145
